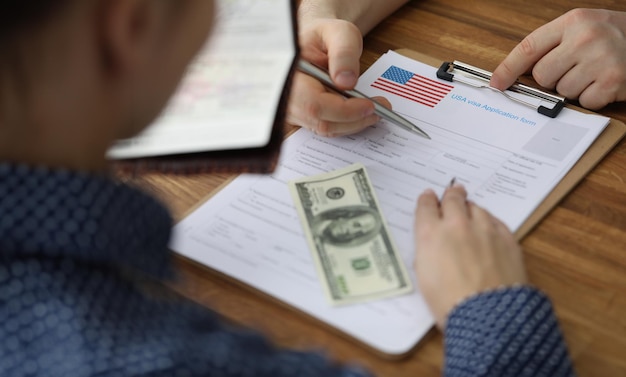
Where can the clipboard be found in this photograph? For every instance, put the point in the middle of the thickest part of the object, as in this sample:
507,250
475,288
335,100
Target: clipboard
603,144
612,134
545,103
255,145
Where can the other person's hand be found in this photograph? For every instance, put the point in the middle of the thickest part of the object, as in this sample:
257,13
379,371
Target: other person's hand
461,250
581,55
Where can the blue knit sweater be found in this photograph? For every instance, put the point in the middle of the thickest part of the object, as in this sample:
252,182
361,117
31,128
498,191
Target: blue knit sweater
72,247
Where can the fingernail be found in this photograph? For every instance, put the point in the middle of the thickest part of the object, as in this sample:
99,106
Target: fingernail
346,79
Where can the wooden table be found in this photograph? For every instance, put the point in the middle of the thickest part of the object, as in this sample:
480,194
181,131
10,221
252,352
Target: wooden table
576,254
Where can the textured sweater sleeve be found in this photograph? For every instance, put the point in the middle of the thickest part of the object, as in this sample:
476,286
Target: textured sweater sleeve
507,332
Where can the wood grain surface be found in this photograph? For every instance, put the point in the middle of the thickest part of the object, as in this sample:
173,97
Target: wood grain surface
576,254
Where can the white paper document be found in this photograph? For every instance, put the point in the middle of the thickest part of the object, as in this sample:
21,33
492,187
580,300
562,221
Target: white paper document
229,96
508,156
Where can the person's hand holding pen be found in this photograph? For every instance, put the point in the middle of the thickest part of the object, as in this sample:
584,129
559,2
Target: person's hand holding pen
335,45
323,97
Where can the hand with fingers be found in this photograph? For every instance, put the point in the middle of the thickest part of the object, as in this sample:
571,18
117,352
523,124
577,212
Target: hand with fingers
581,55
461,250
336,45
331,37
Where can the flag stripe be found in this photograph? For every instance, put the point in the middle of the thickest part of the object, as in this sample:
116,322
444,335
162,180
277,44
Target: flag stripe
408,94
425,89
412,86
399,94
443,88
409,90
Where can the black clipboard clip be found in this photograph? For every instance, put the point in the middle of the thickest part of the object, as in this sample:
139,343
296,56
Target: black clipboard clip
479,78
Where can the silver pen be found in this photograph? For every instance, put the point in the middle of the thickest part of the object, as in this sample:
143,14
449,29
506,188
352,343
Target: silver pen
380,110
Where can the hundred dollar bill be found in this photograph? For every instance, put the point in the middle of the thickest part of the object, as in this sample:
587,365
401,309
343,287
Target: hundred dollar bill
354,253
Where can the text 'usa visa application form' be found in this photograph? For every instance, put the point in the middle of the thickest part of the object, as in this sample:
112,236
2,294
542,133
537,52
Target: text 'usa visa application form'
508,156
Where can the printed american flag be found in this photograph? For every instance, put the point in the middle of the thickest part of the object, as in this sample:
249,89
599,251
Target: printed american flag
412,86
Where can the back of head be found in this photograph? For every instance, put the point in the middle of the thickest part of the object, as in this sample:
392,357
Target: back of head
75,75
21,21
18,15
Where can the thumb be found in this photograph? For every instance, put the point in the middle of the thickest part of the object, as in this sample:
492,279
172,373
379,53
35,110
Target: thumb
345,44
